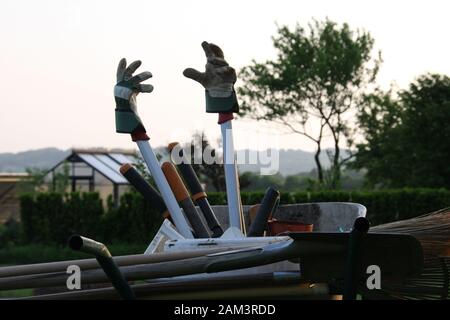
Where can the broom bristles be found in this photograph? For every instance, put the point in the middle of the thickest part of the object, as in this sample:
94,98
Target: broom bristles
433,232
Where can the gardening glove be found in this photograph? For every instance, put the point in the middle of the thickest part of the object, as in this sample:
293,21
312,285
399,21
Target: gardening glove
218,80
125,93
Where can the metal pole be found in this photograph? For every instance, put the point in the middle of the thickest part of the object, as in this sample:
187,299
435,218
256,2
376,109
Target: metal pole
105,260
353,262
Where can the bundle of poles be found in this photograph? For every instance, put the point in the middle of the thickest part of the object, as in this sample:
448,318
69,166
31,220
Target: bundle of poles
201,273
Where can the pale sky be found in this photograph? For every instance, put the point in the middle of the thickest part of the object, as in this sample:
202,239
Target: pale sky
58,60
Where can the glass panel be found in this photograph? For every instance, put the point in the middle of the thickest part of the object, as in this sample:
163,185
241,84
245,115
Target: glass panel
109,162
121,158
103,169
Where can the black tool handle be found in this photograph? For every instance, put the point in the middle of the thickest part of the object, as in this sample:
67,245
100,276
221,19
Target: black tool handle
198,193
210,218
266,208
143,187
200,230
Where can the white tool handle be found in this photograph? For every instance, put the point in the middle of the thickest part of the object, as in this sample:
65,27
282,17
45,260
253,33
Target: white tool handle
231,177
163,186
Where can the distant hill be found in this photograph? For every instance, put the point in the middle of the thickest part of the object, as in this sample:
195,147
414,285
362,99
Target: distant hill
290,161
39,158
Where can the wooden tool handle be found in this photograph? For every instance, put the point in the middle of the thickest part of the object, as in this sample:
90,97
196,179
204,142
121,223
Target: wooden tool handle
175,182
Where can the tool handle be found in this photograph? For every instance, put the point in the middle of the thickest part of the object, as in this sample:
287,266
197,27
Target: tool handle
235,212
175,182
265,210
224,117
198,193
144,188
182,196
210,217
188,173
163,186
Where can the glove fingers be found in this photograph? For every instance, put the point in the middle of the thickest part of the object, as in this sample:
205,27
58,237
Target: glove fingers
206,49
140,77
131,69
216,50
212,50
217,61
121,69
194,75
144,87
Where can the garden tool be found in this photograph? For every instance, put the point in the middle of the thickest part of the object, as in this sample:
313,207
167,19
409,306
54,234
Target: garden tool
218,81
128,121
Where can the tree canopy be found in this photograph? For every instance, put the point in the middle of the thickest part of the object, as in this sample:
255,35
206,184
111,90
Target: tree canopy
313,85
407,137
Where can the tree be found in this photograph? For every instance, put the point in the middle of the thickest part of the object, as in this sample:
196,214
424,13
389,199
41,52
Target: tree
61,179
316,81
256,182
35,182
406,135
209,173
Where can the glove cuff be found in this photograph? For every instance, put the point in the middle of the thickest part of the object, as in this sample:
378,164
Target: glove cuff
221,104
128,122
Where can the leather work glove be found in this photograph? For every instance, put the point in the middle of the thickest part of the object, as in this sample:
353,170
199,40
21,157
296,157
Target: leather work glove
125,93
218,81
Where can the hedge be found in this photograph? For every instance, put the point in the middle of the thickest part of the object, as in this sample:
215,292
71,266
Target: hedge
52,218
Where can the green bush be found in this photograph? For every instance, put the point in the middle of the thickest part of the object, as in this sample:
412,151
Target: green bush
51,218
217,198
134,221
10,232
